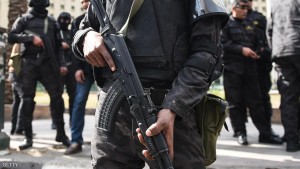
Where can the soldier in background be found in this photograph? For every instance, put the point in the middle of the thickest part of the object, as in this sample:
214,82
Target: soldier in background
42,61
64,20
241,85
264,63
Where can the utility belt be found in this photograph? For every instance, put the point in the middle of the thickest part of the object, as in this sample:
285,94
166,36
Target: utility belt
30,56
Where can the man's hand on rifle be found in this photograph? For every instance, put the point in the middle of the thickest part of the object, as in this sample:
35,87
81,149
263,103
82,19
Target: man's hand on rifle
165,123
63,70
95,51
37,41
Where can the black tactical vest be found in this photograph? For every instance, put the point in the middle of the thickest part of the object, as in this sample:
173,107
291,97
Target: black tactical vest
38,26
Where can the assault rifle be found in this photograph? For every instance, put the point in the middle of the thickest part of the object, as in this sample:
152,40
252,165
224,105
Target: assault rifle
127,85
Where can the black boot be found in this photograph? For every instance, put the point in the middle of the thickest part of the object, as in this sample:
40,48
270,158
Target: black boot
61,135
27,110
27,143
12,131
19,132
269,139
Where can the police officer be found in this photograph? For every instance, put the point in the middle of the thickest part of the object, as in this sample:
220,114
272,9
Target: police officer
64,20
240,76
170,52
264,64
42,61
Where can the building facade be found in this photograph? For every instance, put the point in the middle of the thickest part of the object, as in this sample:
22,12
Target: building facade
55,8
4,13
260,6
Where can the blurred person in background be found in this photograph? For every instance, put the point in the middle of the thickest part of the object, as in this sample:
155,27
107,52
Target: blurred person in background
264,64
42,61
85,80
283,32
241,84
68,80
16,119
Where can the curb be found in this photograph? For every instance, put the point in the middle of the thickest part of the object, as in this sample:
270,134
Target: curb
40,112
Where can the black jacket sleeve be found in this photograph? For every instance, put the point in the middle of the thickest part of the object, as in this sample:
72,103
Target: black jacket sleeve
228,43
192,82
16,34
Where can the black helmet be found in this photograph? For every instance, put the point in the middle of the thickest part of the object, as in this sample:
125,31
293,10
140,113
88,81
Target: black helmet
37,3
64,15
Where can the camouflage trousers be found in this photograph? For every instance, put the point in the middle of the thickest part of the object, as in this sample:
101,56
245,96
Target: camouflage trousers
122,149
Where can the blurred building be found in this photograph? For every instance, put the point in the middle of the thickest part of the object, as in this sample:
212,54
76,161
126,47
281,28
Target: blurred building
55,8
260,6
4,13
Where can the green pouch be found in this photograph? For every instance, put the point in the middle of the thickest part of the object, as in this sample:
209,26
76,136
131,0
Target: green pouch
210,116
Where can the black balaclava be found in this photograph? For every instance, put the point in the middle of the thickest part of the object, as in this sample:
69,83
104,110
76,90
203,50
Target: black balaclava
64,20
39,7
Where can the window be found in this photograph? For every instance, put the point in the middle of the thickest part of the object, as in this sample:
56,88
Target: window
62,6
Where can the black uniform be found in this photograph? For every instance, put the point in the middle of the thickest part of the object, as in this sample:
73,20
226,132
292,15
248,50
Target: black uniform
69,79
283,37
169,53
241,79
264,64
40,64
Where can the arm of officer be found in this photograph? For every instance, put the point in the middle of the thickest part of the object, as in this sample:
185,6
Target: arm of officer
192,82
89,45
59,49
228,43
16,35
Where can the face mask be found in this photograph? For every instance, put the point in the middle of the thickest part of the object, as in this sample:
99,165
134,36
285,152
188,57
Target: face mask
64,26
40,9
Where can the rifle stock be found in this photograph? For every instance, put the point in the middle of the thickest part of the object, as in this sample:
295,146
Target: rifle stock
128,85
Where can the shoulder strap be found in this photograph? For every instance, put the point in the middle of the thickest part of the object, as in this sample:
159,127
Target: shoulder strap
46,25
133,10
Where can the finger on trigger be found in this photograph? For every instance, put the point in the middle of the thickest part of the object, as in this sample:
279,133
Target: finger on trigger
108,58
